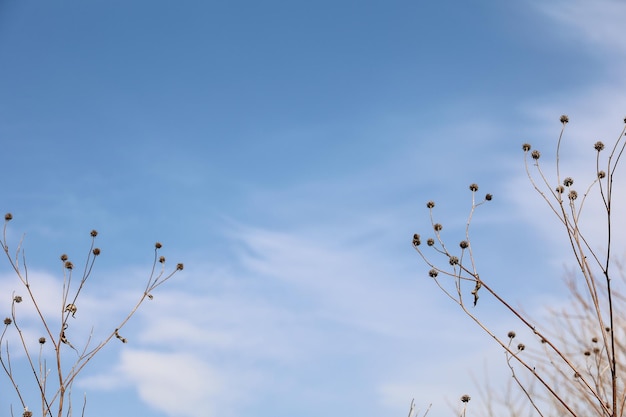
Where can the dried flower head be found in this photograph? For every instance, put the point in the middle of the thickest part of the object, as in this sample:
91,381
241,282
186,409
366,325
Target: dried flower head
69,265
601,174
465,398
464,244
162,259
559,189
27,413
8,321
511,334
96,251
8,217
433,273
488,197
564,119
535,154
598,146
473,186
42,340
94,233
453,260
437,227
17,299
64,257
526,147
430,204
587,353
416,240
572,195
180,266
594,339
430,241
158,245
568,181
521,346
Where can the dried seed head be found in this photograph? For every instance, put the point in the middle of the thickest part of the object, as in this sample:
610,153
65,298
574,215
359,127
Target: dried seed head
69,265
8,217
416,240
464,244
42,340
560,189
594,339
158,245
433,273
94,233
64,257
8,321
96,251
17,299
180,267
572,195
568,181
511,334
598,146
465,398
564,119
473,187
526,147
535,154
521,346
488,197
437,227
601,174
430,241
162,259
454,260
430,204
27,413
586,353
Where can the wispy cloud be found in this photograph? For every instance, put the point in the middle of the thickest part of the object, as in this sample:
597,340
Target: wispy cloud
597,23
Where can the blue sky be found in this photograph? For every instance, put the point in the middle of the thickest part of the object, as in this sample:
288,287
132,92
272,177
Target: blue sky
284,151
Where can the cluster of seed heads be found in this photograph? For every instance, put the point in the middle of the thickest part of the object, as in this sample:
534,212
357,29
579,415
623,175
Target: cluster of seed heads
438,227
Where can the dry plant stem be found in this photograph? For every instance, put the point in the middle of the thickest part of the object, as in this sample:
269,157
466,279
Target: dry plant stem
576,237
26,351
459,300
9,371
521,386
608,201
69,297
412,407
509,351
153,282
579,247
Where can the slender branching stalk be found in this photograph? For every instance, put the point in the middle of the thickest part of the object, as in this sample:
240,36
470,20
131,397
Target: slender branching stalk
573,386
56,396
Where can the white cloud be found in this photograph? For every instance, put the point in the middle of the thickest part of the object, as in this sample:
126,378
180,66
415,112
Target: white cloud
175,383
